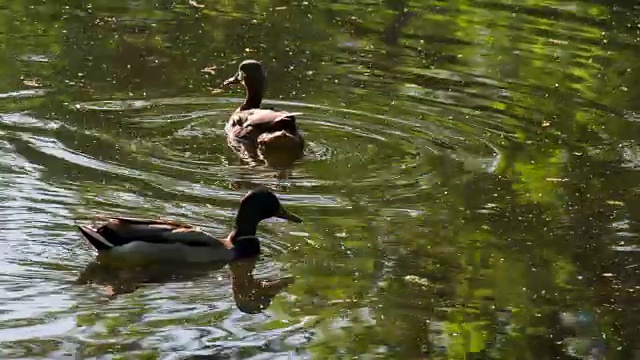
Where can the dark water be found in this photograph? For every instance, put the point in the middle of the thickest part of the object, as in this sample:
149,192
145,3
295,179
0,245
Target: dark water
471,185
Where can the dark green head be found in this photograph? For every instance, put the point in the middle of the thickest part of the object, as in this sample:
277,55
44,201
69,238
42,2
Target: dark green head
251,74
259,204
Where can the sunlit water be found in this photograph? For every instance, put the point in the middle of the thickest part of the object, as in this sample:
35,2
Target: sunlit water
469,185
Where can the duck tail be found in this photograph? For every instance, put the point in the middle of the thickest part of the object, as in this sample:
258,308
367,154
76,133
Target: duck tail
279,140
95,239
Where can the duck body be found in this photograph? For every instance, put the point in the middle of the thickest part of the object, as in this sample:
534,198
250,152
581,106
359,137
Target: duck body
171,240
265,127
262,134
157,239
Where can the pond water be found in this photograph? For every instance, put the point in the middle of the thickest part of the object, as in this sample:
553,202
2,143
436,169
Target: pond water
470,185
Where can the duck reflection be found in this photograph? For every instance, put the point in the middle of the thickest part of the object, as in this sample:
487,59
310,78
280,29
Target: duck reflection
251,295
281,160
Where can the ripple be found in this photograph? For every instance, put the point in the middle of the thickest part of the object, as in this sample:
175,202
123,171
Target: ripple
38,331
26,121
35,58
23,94
128,104
339,137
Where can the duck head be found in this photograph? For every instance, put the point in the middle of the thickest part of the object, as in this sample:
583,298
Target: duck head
251,75
259,204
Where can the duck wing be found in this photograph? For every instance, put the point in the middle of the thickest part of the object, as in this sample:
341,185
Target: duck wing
119,231
250,123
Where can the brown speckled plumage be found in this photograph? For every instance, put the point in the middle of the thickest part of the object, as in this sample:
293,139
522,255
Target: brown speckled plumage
261,134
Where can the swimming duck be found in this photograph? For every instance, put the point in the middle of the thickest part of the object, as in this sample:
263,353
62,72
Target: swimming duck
267,134
171,240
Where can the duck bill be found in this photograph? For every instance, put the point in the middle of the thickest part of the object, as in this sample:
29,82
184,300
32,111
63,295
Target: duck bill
233,80
284,214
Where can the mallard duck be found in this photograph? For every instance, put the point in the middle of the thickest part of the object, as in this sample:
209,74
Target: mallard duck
170,240
265,134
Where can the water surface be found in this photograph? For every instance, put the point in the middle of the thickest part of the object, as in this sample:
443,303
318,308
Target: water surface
470,187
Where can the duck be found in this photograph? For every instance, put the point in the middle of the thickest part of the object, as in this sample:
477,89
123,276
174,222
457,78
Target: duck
160,239
261,134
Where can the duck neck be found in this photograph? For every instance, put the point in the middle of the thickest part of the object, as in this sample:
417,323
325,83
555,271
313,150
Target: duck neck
243,237
240,233
245,243
255,92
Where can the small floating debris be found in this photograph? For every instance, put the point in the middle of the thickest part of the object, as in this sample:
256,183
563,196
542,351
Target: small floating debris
34,57
417,280
630,248
312,243
557,179
195,4
210,69
31,82
558,42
